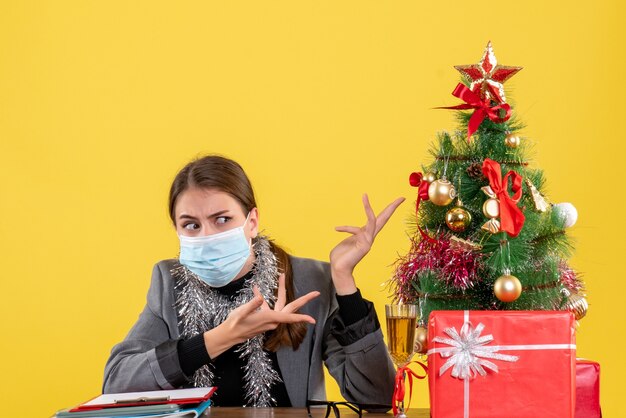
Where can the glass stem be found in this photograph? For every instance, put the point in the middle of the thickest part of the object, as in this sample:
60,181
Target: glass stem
402,401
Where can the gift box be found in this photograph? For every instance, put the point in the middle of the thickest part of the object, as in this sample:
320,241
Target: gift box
514,364
587,389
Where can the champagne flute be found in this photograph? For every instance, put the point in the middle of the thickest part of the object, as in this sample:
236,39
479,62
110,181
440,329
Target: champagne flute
401,324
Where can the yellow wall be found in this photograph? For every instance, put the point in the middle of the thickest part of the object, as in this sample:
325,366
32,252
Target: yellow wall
102,101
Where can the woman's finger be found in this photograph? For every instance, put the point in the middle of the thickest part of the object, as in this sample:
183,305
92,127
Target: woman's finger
282,293
300,302
291,318
349,229
250,307
386,213
370,226
267,320
257,294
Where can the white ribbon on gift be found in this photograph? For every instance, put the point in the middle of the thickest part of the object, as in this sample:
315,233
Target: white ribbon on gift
468,352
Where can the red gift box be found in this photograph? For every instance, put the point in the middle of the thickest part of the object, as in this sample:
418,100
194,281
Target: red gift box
587,389
513,364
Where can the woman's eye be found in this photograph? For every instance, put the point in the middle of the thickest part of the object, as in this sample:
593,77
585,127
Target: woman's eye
191,226
222,219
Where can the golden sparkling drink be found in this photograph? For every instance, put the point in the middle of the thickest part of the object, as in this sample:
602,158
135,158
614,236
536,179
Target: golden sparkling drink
401,338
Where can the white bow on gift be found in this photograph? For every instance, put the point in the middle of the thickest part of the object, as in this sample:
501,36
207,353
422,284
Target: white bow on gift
467,352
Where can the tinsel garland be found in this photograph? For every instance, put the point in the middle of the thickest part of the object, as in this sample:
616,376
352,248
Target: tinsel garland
570,278
458,267
201,308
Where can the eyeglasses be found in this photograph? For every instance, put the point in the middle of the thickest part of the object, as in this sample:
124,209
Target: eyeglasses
355,407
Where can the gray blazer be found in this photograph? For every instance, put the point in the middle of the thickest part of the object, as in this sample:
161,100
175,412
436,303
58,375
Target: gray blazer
355,355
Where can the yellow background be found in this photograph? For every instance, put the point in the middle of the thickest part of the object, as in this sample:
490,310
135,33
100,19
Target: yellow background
101,102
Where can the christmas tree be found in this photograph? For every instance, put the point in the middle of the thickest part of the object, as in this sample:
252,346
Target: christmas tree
485,236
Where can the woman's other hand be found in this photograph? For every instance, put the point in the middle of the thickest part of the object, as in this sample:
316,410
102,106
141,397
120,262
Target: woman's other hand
347,254
256,317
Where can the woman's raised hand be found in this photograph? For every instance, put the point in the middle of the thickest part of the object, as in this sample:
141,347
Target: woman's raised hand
255,317
347,254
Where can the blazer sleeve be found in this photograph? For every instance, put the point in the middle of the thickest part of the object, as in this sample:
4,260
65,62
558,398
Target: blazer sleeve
147,359
357,358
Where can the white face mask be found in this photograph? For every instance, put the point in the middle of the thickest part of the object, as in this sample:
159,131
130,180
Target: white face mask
217,258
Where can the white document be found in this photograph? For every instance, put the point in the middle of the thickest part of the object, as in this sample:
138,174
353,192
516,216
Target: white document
151,396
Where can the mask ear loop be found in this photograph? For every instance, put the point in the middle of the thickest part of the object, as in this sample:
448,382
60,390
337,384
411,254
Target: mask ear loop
252,241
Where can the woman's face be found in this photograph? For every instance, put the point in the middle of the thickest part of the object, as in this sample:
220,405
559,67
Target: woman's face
200,212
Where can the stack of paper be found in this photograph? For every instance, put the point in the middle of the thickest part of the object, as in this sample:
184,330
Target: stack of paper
181,403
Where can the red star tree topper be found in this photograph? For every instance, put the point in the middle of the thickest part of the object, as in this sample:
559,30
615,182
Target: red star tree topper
487,76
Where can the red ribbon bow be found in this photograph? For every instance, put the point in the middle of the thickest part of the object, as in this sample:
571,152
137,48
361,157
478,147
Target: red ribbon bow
399,391
511,217
417,180
482,108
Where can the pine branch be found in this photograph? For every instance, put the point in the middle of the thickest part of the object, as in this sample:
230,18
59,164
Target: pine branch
551,236
462,158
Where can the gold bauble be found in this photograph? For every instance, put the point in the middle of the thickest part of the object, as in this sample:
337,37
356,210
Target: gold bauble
441,192
512,141
421,340
577,304
458,219
491,208
507,288
429,177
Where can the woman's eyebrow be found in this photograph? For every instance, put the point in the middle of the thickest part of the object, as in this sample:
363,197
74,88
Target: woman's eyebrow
213,215
218,213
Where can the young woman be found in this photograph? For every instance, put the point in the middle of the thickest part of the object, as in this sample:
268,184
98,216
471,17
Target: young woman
237,312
